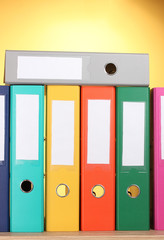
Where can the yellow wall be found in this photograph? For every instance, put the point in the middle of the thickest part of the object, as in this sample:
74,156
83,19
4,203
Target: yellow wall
130,26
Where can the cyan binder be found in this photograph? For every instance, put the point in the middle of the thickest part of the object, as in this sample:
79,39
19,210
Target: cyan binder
27,157
4,158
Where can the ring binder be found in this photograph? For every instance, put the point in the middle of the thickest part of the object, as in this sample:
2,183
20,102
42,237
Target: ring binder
76,68
132,158
27,156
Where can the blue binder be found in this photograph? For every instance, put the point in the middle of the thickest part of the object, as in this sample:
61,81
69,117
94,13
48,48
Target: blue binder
4,159
27,158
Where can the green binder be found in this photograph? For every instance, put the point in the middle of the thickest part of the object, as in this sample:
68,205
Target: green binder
132,158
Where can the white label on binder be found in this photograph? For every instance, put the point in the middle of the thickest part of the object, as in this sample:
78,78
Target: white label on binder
27,126
62,143
2,128
162,127
65,68
133,133
98,132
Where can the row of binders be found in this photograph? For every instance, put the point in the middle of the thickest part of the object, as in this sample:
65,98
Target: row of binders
92,134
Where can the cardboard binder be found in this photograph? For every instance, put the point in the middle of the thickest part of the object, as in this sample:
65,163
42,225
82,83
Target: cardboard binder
132,158
62,168
158,102
4,158
76,68
97,158
26,159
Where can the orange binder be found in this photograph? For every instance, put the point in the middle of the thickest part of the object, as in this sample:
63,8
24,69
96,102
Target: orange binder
97,158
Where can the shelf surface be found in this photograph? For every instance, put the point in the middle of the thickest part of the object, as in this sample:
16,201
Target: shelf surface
126,235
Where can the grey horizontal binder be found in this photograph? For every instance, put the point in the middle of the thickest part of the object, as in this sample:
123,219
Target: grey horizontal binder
76,68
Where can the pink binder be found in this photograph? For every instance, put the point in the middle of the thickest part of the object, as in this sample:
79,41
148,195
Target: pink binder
158,100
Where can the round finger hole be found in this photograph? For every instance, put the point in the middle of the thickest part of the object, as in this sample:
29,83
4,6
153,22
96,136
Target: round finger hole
133,191
62,190
110,68
26,186
98,191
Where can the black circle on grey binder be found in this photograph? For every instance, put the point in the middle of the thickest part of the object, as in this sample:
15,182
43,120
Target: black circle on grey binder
110,68
98,191
62,190
133,191
26,186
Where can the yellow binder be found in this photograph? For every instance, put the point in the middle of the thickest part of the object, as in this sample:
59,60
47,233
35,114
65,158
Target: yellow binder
62,168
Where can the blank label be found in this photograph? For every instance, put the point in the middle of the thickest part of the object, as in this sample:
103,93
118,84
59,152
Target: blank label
133,133
27,126
62,145
98,132
162,127
65,68
2,128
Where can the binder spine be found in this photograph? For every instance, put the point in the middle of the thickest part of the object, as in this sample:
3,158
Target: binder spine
63,160
4,167
158,96
132,211
97,206
26,172
112,69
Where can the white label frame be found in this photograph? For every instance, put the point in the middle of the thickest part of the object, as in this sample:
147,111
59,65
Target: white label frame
133,133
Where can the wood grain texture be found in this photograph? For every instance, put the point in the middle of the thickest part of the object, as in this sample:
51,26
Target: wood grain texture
124,235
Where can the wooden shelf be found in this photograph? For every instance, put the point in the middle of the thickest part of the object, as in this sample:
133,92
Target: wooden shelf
135,235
